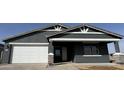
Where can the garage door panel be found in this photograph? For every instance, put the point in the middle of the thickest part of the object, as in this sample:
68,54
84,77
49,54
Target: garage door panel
30,54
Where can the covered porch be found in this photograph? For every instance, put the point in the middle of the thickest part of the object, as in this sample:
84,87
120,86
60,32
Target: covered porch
80,50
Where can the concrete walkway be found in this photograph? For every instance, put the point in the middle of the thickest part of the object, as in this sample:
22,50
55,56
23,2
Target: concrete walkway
98,64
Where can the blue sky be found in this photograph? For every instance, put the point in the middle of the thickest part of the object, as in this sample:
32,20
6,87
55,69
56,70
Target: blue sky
9,29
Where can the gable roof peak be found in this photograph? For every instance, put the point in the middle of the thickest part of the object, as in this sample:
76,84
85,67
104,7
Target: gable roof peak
59,24
92,27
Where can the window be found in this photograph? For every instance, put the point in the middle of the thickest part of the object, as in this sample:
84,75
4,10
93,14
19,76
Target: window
58,52
91,50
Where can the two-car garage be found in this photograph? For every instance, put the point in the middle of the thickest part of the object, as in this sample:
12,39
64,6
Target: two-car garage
29,54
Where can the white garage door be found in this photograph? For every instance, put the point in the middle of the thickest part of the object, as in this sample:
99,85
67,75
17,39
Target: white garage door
30,54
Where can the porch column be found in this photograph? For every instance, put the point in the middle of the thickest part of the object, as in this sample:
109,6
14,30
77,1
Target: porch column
51,53
117,55
117,49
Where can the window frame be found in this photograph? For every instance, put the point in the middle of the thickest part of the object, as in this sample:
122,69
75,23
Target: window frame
91,53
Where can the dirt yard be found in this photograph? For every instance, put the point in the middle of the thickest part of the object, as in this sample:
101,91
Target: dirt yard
101,67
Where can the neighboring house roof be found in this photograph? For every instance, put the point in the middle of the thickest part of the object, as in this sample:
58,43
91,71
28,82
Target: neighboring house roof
36,30
93,27
54,33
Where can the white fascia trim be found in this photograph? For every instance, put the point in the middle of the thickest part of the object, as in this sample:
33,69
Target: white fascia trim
85,33
83,39
92,55
28,43
53,30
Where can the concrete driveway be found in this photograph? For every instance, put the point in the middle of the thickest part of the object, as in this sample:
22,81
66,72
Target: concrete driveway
36,67
63,66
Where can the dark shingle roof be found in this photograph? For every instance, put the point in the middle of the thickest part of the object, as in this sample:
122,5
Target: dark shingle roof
93,27
36,30
50,34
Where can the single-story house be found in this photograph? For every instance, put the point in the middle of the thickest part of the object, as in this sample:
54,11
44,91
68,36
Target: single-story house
59,43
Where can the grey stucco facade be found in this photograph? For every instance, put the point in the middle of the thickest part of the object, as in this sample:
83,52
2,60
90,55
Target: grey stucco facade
75,50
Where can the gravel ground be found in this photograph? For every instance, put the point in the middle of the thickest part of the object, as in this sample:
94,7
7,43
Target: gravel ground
63,66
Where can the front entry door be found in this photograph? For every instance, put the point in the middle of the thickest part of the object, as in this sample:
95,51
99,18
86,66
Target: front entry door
58,54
